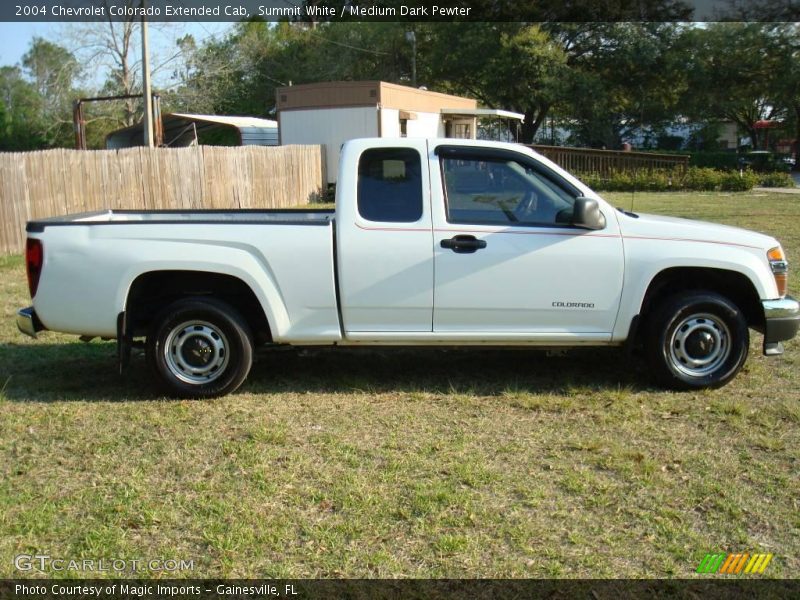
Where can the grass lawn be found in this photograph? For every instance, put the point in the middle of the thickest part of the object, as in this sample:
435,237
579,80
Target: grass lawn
412,463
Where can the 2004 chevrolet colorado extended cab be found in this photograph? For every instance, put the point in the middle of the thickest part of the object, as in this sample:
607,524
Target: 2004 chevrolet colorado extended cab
447,241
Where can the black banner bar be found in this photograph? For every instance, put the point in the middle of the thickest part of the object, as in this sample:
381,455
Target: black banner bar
400,589
404,10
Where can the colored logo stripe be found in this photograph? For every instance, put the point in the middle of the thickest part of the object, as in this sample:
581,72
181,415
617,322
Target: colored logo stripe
710,563
734,564
758,563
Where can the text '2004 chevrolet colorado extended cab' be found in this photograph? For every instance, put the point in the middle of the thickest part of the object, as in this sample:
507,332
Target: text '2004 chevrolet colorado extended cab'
448,241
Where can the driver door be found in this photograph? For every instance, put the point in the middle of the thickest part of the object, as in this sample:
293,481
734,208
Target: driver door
508,262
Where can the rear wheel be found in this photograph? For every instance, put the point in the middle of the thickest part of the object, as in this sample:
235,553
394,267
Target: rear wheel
200,348
697,340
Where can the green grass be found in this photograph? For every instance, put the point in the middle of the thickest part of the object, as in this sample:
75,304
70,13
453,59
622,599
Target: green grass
411,463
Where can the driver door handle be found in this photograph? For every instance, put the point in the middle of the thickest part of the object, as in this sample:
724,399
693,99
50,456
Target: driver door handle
463,244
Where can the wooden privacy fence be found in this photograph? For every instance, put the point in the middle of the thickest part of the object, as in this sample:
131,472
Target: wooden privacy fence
56,182
606,162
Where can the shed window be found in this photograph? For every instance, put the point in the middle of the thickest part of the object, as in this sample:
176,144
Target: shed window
463,131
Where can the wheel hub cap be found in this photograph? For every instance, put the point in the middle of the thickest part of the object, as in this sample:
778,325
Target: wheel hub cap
699,345
196,352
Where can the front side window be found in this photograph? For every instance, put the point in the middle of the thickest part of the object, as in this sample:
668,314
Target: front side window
390,185
495,190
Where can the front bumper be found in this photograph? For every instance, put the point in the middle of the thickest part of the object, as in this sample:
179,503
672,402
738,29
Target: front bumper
781,322
27,321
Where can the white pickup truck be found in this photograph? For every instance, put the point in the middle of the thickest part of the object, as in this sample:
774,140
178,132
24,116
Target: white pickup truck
453,242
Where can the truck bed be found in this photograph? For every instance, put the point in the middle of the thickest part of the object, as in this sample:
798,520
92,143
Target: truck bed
265,249
253,216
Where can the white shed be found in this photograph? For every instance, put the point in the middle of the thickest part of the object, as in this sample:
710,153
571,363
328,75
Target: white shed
331,113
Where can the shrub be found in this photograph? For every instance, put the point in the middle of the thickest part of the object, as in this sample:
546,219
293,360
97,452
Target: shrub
712,180
773,180
659,180
731,181
664,180
702,179
593,180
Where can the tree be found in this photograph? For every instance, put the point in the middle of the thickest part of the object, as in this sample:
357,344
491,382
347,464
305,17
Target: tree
786,45
609,81
508,65
240,73
223,75
21,107
112,49
735,72
624,79
52,71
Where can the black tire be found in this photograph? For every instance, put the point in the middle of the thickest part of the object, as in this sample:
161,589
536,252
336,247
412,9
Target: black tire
696,339
200,348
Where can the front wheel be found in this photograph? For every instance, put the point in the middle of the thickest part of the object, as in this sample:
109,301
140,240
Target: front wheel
697,340
200,348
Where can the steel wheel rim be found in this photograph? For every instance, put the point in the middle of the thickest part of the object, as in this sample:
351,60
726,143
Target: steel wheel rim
196,352
699,345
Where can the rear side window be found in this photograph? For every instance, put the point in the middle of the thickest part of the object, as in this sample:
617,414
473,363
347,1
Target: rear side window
390,185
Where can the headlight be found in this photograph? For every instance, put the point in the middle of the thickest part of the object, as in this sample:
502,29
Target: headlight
780,269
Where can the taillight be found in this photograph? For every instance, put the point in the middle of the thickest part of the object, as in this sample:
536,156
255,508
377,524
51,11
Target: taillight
34,258
780,269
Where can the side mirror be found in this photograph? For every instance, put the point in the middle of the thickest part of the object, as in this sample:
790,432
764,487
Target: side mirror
586,213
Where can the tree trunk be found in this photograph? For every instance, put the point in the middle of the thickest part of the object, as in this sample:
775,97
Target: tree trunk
533,121
528,129
540,117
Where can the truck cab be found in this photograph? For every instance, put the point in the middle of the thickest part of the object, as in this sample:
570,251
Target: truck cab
457,241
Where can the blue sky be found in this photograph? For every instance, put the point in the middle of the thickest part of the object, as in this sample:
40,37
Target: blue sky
15,38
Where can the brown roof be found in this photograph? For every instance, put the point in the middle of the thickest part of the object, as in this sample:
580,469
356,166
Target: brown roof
338,94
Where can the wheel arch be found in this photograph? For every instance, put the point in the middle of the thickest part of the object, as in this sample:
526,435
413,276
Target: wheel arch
734,285
152,290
